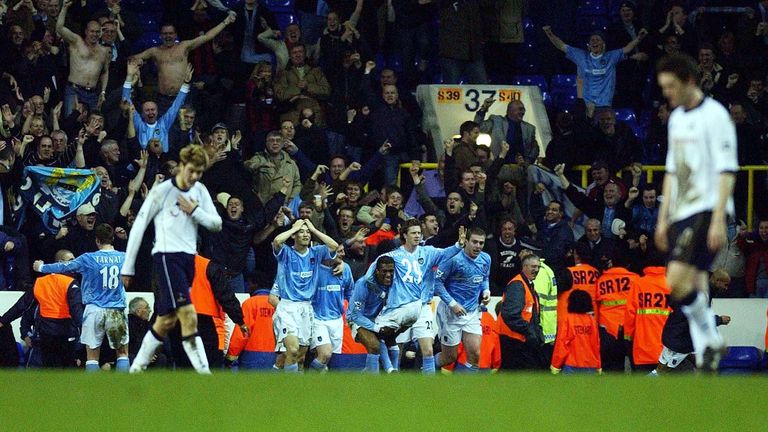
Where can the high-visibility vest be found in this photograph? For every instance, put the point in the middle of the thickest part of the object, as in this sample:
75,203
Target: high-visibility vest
201,293
578,342
546,285
584,278
51,293
257,315
531,305
348,343
647,311
613,289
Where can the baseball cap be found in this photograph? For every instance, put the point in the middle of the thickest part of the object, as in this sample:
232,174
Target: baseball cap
86,209
219,125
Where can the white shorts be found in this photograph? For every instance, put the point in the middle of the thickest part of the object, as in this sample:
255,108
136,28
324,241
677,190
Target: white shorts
293,319
453,326
671,359
424,327
328,332
399,318
99,321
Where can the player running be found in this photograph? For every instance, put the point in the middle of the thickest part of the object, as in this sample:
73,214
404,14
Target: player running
698,187
176,207
103,296
460,281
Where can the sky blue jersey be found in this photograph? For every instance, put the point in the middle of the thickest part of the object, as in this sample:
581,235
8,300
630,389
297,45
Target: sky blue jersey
298,273
368,299
101,284
412,272
462,279
328,301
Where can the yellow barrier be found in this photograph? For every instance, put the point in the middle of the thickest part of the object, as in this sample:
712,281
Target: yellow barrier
650,171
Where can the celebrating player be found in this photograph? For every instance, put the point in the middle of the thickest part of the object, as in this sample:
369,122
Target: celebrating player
298,269
103,297
404,302
459,282
177,207
698,187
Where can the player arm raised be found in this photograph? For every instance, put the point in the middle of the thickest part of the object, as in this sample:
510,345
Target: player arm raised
281,238
450,252
210,34
326,239
69,36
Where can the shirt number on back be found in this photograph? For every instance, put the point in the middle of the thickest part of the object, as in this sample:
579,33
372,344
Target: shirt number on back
110,277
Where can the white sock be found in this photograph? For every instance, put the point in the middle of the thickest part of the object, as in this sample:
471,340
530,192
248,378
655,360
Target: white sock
699,313
193,346
149,345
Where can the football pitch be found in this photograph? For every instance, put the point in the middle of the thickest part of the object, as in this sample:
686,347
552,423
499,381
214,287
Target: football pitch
167,401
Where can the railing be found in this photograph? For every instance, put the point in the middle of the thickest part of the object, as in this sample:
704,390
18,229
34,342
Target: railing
650,171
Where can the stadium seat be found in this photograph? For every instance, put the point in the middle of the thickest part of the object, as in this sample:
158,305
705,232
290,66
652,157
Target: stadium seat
283,6
285,19
251,360
627,115
347,362
741,360
531,80
22,357
562,91
592,8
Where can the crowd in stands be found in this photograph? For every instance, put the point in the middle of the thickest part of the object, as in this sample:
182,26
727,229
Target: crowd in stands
307,109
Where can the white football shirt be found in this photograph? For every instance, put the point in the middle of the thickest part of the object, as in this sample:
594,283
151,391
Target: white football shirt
702,145
175,231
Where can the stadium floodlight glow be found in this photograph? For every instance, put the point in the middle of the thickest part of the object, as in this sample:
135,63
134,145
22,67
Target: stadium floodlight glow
484,139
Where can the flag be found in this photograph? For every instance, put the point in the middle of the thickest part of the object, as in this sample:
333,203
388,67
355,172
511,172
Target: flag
56,193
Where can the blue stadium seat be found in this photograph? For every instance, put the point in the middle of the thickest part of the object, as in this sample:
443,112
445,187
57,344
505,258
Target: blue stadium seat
592,7
285,6
285,19
347,362
627,115
588,24
741,360
562,91
531,80
147,40
22,357
251,360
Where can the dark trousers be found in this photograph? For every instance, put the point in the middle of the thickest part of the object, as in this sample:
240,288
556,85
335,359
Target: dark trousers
58,351
612,351
517,355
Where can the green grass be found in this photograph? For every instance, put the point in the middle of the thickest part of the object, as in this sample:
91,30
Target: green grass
36,401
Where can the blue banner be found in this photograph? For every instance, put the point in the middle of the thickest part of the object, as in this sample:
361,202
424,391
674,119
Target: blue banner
56,193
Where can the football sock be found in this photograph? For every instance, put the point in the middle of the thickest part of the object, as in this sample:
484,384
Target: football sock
149,345
428,365
437,361
292,368
193,346
372,363
386,363
696,309
92,366
317,365
122,364
394,357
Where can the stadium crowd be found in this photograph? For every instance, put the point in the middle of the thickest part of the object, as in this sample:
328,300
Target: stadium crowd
310,119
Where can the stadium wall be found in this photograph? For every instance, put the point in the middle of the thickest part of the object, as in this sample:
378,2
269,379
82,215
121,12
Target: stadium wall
747,327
